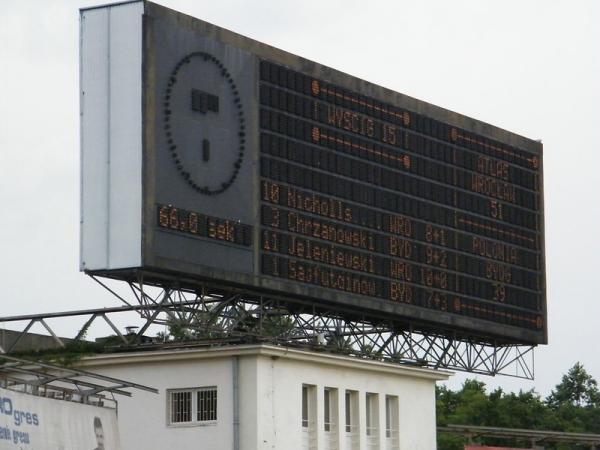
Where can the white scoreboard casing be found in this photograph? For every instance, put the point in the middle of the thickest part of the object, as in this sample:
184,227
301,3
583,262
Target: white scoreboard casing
111,136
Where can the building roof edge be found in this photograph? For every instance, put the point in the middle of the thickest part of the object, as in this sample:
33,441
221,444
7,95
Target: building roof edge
202,353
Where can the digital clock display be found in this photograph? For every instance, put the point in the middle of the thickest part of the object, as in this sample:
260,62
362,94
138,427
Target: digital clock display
197,224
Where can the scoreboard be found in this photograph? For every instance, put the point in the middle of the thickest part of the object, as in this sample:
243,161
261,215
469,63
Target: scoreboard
372,199
262,170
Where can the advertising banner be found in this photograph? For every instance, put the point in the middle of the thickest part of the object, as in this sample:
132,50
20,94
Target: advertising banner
29,422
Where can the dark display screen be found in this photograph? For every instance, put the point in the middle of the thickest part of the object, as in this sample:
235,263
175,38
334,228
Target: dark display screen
362,197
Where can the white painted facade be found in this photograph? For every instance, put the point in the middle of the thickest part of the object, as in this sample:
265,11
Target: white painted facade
260,400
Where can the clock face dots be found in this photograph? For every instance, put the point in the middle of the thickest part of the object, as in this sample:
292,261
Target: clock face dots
203,122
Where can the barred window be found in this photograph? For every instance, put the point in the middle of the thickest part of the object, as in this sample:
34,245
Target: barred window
351,411
181,407
372,414
207,404
304,406
327,409
391,421
190,406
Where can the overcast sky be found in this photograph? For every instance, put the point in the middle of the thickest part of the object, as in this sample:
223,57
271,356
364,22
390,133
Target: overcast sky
531,67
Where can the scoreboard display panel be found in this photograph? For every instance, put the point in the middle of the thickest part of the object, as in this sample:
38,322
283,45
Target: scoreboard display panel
263,170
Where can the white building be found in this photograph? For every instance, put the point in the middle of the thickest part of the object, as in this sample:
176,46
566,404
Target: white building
254,397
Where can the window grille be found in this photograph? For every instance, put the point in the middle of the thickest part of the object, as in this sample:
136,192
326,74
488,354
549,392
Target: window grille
181,407
191,406
207,405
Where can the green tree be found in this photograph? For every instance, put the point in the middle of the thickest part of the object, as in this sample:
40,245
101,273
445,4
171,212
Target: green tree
472,407
573,406
577,388
524,409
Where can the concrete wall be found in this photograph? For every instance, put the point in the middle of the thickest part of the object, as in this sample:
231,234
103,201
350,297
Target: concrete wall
279,402
143,417
270,395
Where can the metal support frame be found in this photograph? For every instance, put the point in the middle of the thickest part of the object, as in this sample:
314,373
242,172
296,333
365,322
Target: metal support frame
65,383
204,312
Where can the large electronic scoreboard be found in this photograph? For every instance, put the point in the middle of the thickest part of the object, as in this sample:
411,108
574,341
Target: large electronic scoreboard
211,156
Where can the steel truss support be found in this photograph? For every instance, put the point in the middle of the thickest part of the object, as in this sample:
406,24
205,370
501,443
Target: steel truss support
66,383
197,312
